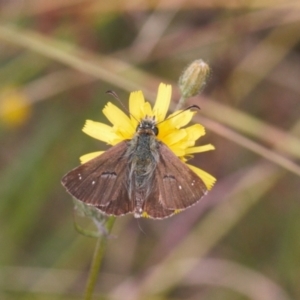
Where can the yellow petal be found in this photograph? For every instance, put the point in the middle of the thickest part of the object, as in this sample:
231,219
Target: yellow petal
100,131
86,157
208,179
180,118
199,149
147,110
195,131
162,102
192,133
176,121
174,137
124,134
118,118
164,129
136,104
177,150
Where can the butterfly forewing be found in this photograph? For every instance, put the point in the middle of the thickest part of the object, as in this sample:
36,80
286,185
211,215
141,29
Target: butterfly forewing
102,181
179,186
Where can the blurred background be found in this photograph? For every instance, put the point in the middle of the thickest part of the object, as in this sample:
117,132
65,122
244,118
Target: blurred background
57,59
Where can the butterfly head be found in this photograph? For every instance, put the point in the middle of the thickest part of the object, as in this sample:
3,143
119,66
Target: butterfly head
147,126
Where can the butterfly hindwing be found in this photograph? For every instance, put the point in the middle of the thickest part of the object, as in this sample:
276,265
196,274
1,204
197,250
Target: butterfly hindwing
153,206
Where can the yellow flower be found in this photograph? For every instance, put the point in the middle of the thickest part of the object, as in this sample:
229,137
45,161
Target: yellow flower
171,132
14,108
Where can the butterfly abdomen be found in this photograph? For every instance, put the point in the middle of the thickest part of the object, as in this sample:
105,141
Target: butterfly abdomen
143,157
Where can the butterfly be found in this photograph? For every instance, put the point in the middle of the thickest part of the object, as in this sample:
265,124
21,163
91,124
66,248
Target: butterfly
141,176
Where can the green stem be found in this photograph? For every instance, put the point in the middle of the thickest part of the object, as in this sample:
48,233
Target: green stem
180,103
97,260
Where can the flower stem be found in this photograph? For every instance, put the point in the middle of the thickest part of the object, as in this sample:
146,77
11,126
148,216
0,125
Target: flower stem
97,260
180,103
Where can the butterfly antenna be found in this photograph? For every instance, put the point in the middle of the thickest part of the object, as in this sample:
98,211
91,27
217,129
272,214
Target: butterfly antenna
114,94
190,107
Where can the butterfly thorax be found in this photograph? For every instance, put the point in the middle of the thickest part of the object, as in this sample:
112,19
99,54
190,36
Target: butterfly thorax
143,157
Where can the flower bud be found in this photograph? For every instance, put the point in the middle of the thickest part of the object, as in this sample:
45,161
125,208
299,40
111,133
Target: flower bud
193,78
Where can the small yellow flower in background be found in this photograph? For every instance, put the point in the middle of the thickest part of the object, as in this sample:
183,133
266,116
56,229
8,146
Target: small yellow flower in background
170,130
14,108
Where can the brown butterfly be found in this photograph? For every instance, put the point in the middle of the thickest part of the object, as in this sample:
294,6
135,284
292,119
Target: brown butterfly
140,176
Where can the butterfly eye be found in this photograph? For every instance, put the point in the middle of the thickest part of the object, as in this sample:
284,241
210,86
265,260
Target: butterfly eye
155,130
